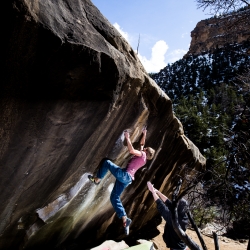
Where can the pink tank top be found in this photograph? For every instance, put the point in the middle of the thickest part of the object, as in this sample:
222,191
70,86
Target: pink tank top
135,163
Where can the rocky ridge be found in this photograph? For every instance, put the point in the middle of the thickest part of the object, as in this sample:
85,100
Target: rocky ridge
215,32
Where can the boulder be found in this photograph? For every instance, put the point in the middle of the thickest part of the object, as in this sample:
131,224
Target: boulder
110,244
71,86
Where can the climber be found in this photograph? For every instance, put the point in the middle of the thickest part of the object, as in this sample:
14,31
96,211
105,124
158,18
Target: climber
164,206
125,176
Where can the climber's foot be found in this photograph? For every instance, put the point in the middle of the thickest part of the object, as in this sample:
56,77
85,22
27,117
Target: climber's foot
93,179
126,224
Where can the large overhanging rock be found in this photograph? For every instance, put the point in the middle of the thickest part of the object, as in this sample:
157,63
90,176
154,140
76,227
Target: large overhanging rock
70,86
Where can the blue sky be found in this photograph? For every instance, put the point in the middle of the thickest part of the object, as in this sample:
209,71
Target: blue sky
164,27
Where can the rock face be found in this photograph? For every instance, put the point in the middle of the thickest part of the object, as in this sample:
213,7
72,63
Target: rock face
71,85
216,32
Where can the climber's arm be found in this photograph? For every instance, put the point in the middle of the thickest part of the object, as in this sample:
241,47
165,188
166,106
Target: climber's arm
143,139
160,200
161,195
130,146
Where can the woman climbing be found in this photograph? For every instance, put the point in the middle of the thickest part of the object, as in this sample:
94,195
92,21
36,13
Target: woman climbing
125,176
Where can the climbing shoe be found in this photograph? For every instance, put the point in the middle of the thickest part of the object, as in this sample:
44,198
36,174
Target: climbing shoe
126,229
92,179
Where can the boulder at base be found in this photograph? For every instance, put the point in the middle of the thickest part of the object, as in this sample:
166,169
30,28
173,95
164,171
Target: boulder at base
110,244
144,246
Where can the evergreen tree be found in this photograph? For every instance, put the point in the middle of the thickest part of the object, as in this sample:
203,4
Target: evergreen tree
209,102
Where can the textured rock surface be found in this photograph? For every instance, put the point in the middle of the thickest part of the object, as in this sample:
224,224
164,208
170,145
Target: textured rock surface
214,33
71,85
110,244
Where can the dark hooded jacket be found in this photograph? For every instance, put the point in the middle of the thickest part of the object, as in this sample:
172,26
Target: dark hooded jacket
170,237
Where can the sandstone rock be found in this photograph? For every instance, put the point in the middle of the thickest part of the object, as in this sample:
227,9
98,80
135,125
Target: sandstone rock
213,227
143,246
151,244
71,85
216,32
110,244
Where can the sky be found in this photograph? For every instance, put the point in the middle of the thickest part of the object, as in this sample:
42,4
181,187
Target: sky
160,30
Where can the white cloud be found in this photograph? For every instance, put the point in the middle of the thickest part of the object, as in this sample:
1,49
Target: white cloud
175,55
184,35
157,60
123,33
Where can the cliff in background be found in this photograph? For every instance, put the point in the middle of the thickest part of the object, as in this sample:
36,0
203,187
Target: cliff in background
71,85
209,90
214,33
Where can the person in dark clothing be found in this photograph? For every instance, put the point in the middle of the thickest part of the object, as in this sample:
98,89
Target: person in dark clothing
164,206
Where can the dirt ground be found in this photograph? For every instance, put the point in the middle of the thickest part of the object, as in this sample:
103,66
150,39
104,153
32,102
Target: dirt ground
224,243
